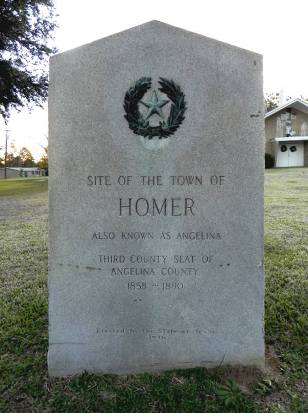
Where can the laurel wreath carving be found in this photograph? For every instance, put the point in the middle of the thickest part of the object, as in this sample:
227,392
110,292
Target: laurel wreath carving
138,124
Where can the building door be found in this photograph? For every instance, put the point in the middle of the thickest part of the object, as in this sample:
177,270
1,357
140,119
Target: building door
290,154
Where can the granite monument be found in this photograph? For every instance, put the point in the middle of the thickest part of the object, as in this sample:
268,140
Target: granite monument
156,204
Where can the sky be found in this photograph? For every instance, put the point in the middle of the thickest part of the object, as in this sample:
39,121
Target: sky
277,29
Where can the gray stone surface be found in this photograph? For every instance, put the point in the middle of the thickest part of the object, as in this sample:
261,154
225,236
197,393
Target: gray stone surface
194,299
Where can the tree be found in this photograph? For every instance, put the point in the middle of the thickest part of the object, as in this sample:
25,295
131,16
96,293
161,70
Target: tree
26,28
43,162
26,158
272,101
12,157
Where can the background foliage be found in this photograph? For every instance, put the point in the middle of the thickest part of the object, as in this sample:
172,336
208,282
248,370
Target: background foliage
26,28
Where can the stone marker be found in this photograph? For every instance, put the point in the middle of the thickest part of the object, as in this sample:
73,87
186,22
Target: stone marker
156,204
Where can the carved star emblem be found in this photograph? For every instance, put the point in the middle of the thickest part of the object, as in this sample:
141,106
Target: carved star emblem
155,105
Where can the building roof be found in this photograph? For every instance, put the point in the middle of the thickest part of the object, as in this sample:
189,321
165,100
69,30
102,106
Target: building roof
20,168
298,104
292,139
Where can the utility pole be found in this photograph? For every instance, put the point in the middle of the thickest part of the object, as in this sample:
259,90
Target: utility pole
5,152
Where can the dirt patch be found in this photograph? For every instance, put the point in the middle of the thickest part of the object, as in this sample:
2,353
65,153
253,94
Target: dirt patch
248,377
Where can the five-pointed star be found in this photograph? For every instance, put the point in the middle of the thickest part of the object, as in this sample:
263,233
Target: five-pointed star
154,105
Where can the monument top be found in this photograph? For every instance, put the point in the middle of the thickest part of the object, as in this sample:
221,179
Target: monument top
157,30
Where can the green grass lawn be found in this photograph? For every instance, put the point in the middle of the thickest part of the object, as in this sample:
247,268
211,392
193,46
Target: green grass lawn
22,186
24,383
